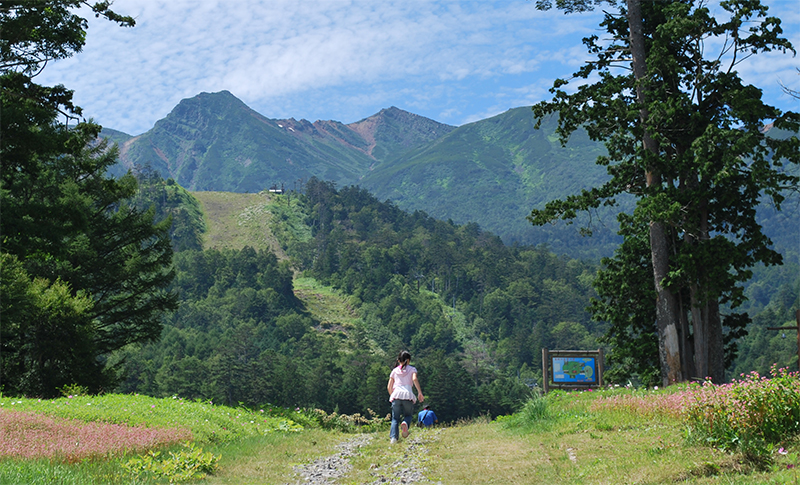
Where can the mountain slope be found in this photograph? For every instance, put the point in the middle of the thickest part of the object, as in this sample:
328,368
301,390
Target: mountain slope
215,142
494,172
491,172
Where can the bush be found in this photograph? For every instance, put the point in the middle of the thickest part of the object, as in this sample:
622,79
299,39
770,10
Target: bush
749,415
348,423
189,464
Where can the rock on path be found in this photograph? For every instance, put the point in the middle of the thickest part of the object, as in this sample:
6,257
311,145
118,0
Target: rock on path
406,469
326,470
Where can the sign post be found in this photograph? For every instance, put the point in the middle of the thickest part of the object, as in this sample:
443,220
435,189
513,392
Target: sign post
572,369
797,328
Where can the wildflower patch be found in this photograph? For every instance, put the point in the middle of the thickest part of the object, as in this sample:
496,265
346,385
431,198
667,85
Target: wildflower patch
29,435
751,415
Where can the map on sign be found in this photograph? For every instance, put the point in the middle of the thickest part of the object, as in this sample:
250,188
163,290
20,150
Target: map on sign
574,370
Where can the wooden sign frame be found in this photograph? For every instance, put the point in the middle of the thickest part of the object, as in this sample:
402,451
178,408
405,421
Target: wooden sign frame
586,373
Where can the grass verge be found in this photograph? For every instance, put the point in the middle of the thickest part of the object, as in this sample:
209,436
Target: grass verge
271,458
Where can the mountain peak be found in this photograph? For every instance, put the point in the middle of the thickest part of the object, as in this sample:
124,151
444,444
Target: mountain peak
213,100
393,130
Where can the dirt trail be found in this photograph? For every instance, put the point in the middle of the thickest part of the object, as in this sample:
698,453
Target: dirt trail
408,468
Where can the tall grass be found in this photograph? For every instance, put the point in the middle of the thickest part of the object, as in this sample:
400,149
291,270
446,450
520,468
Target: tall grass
533,414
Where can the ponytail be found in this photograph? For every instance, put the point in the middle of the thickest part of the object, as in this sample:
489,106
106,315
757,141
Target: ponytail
403,359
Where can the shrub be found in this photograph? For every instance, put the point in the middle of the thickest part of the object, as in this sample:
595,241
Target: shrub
189,464
750,415
347,423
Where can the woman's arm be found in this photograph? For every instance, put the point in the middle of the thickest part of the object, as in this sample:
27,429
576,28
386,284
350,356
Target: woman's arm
390,385
416,384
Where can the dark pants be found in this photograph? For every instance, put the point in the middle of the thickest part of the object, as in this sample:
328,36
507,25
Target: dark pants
402,409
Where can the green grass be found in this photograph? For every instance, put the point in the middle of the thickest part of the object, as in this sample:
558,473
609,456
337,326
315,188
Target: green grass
329,306
603,437
212,426
579,438
271,458
234,221
208,423
47,472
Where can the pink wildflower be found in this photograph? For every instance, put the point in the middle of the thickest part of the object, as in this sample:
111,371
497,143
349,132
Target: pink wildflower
30,435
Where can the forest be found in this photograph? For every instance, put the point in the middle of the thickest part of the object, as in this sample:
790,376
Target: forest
473,312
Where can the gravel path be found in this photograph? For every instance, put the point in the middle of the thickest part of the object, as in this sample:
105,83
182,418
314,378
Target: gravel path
406,469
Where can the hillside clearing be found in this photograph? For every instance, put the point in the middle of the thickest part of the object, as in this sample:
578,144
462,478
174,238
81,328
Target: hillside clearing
326,304
234,221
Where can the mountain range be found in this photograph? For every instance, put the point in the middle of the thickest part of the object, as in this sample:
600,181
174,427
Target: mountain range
491,172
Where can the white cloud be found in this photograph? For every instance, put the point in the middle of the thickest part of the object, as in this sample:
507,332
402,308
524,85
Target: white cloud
331,59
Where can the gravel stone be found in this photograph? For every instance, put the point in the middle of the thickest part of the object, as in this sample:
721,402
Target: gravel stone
407,469
324,471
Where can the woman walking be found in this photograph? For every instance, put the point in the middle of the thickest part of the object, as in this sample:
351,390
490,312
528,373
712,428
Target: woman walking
401,395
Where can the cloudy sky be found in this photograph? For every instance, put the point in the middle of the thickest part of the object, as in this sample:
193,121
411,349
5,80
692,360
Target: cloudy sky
452,61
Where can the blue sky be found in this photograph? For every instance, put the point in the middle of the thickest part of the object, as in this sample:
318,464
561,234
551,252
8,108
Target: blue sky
452,61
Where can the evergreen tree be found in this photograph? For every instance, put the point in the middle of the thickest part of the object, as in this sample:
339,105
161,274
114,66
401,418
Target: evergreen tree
65,221
685,137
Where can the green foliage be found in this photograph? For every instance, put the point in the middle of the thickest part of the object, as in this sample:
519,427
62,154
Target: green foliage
440,294
354,423
288,224
189,464
97,266
45,336
750,415
35,32
171,201
533,414
625,301
241,335
237,326
74,390
65,221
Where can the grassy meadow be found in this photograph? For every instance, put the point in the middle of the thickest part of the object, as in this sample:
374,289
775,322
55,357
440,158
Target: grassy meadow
234,221
740,433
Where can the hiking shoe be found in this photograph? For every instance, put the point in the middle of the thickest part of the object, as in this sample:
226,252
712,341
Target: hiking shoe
393,441
404,429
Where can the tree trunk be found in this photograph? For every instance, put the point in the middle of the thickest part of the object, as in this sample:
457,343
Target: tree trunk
687,351
708,338
716,347
700,334
666,304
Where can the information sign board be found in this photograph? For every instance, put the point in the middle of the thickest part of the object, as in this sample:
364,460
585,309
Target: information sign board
574,370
